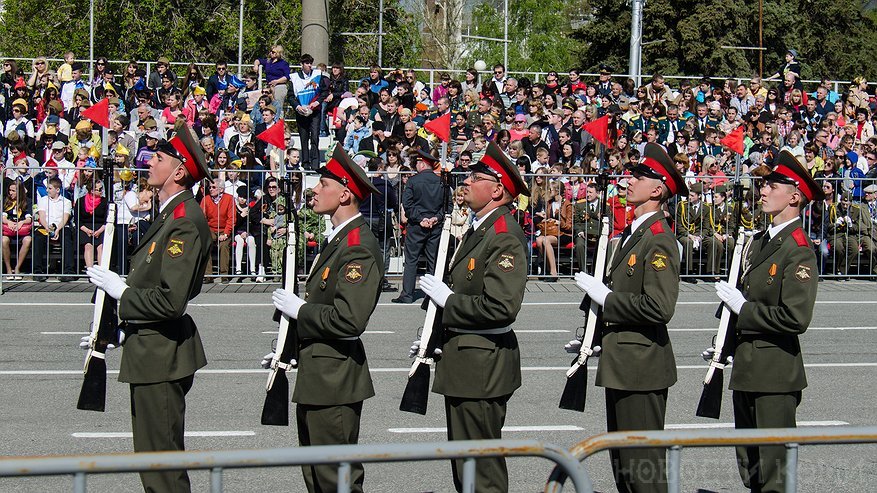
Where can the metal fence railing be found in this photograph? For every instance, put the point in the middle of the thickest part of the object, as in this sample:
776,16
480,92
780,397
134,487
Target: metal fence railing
676,440
558,222
343,455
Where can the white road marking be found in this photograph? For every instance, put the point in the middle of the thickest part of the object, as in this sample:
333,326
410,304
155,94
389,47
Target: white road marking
64,333
367,332
507,429
128,434
713,329
541,331
247,371
695,426
417,304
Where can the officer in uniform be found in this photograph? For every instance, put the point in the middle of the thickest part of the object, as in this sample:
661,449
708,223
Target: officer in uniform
341,293
480,366
162,346
422,201
695,232
586,224
775,305
852,230
637,364
723,218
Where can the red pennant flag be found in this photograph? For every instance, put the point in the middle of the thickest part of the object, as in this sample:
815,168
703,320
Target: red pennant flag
98,113
441,127
734,140
599,128
274,135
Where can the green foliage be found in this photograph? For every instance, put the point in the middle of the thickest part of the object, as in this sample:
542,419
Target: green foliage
539,29
198,30
833,37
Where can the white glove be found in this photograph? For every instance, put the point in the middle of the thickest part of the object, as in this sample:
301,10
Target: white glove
848,220
594,288
708,353
839,221
107,280
287,302
266,360
575,346
85,343
415,348
731,296
437,291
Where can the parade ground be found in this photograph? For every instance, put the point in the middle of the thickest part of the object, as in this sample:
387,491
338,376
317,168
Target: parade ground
41,377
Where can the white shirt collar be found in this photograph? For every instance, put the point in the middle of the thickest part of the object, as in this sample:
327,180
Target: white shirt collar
640,220
479,221
168,201
773,231
338,228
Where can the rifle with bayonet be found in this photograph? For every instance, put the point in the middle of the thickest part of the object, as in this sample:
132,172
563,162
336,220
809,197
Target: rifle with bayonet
575,389
276,408
105,320
710,404
416,394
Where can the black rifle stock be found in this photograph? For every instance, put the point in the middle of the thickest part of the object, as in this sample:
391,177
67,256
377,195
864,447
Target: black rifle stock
576,386
416,395
275,411
104,322
710,403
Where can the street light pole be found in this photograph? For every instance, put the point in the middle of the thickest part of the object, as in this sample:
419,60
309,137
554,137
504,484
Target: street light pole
241,40
91,36
381,33
505,35
636,36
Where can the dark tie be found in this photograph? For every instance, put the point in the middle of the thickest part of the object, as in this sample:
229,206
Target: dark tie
625,234
765,240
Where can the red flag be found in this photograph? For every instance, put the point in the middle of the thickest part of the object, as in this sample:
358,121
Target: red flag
599,128
98,113
734,140
441,127
274,135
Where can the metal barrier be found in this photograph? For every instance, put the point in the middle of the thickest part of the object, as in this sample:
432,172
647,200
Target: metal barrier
675,440
343,455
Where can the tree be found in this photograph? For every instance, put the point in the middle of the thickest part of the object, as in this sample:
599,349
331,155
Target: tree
539,31
402,43
835,38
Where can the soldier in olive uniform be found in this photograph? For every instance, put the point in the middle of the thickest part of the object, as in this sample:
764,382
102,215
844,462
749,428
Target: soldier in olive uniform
637,365
695,232
723,218
585,218
775,305
341,293
480,366
162,346
852,229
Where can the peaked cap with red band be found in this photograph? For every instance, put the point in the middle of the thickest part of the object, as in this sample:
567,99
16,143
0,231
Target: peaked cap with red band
657,164
788,170
496,163
343,170
185,147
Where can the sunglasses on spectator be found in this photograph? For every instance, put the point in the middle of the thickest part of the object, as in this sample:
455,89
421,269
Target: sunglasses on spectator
39,63
497,72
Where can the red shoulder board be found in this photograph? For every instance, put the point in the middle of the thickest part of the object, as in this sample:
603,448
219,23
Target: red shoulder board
500,226
657,227
353,237
180,210
799,237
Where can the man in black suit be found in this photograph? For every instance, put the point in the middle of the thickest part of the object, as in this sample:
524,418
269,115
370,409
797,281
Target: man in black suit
422,201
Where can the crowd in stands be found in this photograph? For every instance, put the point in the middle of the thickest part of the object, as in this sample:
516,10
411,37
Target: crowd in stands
54,198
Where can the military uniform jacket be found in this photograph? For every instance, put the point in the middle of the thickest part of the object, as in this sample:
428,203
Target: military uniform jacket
779,283
581,218
162,344
341,293
488,276
665,126
689,222
644,278
723,218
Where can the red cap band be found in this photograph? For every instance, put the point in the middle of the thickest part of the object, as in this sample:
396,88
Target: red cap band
668,179
348,181
802,185
188,160
506,180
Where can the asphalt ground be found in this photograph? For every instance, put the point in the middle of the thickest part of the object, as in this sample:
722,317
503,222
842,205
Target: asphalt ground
40,370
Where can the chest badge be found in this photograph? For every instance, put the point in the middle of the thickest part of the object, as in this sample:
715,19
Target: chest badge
630,263
149,255
176,248
470,267
772,272
659,261
354,273
323,278
506,262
